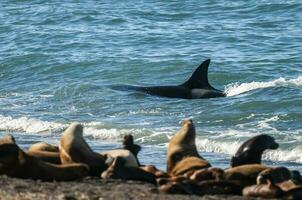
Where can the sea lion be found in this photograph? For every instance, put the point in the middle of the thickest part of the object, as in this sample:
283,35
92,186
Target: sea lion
47,156
16,163
245,174
7,139
46,152
210,187
118,170
182,155
274,175
207,174
130,160
152,169
43,146
250,152
196,87
128,143
263,190
73,148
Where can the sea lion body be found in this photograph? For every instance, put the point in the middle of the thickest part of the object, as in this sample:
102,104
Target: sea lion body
47,156
118,170
245,174
128,144
73,148
130,160
263,190
274,175
182,154
250,152
43,146
16,163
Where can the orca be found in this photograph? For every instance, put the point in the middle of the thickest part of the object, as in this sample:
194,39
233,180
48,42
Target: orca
197,86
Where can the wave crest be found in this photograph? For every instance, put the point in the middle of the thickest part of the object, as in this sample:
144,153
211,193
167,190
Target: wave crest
239,88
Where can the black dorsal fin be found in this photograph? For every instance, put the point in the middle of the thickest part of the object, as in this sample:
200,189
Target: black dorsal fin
199,78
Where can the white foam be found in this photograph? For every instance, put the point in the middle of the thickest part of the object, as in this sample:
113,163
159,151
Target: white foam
29,125
239,88
264,124
96,130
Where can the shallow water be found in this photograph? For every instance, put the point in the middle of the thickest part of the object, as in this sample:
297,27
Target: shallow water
58,58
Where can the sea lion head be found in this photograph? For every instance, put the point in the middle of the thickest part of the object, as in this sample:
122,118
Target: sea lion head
250,152
182,147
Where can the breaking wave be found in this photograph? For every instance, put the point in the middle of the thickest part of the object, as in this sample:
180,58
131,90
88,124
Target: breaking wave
239,88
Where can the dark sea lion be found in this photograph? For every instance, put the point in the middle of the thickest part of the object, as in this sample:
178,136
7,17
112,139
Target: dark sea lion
128,143
250,152
73,148
196,87
245,174
118,170
182,155
274,175
16,163
263,190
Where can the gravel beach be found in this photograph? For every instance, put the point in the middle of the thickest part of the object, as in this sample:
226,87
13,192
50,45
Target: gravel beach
90,189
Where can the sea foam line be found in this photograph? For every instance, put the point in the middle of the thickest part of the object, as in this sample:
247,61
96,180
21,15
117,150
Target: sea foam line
29,125
237,88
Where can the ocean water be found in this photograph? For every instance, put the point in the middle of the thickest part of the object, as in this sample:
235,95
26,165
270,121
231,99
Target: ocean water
58,60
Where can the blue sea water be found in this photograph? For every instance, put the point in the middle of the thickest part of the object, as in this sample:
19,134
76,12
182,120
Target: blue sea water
58,59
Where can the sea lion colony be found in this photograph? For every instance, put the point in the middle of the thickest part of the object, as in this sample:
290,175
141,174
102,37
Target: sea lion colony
187,172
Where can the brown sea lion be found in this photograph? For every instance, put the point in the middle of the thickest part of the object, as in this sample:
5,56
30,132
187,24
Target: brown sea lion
73,148
250,152
152,169
288,185
211,187
128,143
7,139
46,152
207,174
16,163
47,156
118,170
43,146
182,155
263,190
245,174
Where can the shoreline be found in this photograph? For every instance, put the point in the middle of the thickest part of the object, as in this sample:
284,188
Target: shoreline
92,189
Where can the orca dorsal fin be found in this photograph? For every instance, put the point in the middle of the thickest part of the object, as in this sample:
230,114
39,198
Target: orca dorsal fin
199,78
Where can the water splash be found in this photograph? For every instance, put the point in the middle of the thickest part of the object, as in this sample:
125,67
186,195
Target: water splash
237,88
